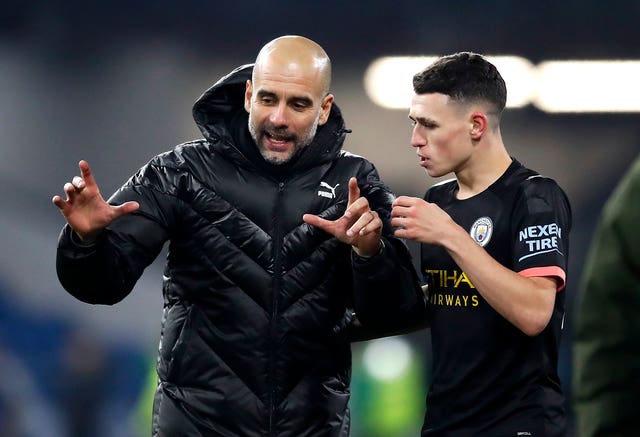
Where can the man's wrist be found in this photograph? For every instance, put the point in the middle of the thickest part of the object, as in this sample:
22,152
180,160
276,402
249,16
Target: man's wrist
83,242
378,252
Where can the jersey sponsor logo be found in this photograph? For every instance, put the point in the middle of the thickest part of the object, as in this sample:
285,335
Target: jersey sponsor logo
446,279
539,239
329,191
453,300
481,231
451,280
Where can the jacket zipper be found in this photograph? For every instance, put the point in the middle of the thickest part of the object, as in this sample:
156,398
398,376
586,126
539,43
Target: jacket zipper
277,279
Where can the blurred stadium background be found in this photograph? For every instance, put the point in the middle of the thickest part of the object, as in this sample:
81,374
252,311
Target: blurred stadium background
113,83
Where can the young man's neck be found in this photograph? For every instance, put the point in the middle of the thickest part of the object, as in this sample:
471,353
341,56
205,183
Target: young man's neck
484,169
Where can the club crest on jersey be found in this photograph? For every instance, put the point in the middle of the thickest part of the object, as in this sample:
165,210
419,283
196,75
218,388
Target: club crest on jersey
481,231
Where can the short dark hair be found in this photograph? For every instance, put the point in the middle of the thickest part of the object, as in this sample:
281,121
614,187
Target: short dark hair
464,77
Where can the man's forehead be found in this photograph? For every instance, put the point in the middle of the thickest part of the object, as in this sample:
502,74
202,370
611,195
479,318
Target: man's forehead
293,76
431,103
285,85
300,70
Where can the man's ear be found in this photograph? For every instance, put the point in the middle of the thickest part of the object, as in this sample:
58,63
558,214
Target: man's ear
478,125
325,109
248,92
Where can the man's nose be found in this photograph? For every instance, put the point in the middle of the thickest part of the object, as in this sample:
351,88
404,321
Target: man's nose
418,139
279,115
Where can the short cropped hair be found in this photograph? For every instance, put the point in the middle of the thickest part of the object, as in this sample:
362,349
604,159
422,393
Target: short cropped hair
464,77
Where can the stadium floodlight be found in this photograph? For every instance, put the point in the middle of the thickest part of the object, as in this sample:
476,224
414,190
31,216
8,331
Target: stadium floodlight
551,86
388,80
588,86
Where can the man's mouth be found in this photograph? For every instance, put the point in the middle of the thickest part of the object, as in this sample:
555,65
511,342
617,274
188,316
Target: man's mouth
278,141
424,160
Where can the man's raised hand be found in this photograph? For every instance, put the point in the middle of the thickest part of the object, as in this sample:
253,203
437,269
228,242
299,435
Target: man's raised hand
84,208
359,226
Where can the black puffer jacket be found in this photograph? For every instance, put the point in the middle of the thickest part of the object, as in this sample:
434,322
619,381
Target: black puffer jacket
254,298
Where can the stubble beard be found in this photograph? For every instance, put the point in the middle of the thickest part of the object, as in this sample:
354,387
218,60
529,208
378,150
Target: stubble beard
298,143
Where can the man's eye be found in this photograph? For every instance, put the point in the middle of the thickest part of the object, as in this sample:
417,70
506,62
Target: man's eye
299,106
425,124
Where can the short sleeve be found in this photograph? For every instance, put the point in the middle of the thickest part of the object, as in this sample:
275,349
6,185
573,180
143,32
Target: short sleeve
541,225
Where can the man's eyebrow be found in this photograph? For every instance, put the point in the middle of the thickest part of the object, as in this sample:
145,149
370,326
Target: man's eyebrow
419,119
265,93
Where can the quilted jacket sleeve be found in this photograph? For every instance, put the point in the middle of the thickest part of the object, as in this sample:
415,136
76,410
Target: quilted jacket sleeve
106,271
388,299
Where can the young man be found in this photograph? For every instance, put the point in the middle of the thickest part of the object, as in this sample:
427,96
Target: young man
494,256
257,314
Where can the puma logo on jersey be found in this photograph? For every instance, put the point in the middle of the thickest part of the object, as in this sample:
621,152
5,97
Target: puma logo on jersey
330,194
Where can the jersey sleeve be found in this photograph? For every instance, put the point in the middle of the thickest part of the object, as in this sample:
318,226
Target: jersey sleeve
541,225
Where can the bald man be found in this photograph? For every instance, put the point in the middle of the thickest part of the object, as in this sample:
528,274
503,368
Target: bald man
258,314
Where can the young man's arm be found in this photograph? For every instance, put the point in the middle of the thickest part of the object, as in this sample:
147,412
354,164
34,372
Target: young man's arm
524,298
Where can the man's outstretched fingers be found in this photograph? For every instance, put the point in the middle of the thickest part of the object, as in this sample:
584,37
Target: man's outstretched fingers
314,220
59,202
126,208
373,224
85,171
69,190
78,182
354,194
